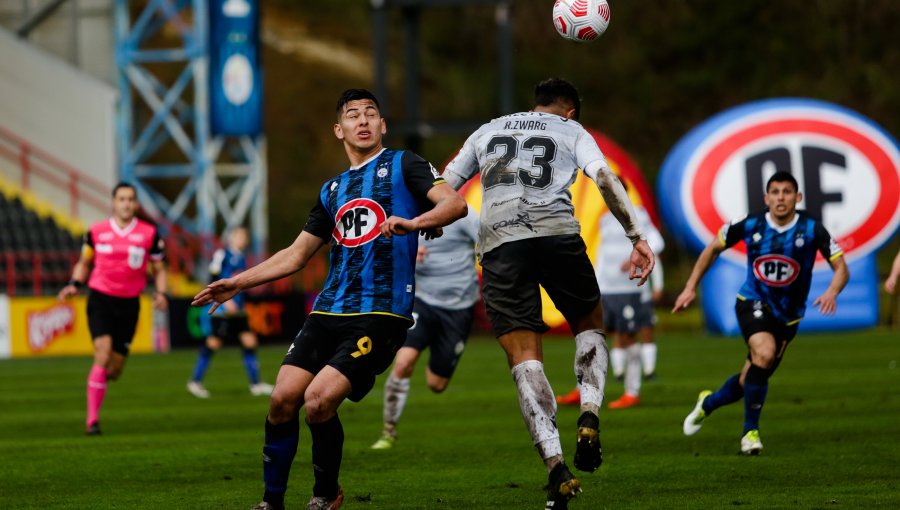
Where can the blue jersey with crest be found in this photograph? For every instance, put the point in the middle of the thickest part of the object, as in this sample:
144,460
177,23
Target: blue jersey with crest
371,273
780,260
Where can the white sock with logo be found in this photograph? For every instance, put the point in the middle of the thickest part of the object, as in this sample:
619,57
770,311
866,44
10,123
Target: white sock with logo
395,393
538,407
591,363
633,370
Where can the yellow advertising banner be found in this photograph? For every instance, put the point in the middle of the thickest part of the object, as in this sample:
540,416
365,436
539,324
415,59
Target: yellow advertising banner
45,326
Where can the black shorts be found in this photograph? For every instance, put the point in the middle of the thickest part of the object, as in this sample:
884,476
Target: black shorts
444,331
756,317
228,327
625,313
113,316
512,272
358,346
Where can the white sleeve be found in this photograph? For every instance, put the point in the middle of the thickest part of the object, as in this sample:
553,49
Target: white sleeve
587,151
464,165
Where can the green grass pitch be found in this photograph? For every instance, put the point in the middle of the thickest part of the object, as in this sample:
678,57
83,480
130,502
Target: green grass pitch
831,430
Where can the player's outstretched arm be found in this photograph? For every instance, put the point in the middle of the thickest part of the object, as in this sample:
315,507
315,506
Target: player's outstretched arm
448,207
704,262
284,263
890,284
827,302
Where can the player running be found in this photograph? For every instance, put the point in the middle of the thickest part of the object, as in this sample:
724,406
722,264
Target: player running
781,250
446,295
528,237
229,323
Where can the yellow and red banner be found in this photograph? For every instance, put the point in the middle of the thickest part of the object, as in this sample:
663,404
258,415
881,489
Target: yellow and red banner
45,326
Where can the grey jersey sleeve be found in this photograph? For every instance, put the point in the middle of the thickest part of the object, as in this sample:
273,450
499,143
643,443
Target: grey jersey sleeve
464,165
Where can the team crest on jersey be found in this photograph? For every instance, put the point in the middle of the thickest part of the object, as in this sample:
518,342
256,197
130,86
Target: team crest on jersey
356,222
776,270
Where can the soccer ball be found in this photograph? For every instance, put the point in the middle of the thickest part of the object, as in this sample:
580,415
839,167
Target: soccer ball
581,20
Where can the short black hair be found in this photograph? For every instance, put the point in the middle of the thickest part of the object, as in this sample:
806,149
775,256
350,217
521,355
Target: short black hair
123,184
555,90
782,176
355,95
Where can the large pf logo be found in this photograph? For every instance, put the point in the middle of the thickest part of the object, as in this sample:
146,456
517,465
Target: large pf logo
776,270
357,222
847,167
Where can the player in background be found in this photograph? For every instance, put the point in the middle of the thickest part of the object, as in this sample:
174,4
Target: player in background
116,253
446,295
781,250
530,237
360,318
229,323
650,297
627,309
890,284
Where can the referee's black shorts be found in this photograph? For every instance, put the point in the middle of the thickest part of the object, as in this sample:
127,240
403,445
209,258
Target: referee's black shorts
113,316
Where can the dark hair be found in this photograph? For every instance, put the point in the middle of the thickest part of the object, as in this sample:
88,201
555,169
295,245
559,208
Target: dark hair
557,90
123,184
355,95
782,176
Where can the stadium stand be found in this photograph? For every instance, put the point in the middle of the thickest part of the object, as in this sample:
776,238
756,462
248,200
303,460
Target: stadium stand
36,254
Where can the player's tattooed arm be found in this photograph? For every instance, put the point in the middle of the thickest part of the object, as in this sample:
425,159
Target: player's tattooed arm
827,302
704,261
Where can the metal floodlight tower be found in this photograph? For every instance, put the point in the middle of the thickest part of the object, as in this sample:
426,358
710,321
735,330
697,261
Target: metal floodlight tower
182,122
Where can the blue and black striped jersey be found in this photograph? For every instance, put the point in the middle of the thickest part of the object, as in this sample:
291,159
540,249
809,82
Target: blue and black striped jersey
780,260
370,273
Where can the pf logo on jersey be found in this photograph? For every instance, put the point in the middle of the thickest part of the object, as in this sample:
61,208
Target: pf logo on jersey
776,270
356,222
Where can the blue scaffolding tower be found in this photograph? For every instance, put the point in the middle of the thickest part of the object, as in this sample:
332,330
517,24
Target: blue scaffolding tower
166,147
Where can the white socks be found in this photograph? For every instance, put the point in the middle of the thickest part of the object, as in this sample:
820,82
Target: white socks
395,393
591,362
538,407
648,357
633,370
617,360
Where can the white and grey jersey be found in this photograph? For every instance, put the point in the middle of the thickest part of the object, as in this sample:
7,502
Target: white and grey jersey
527,162
447,277
615,251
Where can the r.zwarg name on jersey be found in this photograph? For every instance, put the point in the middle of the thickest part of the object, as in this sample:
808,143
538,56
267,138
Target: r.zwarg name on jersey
527,162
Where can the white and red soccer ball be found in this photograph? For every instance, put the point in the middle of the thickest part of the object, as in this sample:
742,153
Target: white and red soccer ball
581,20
